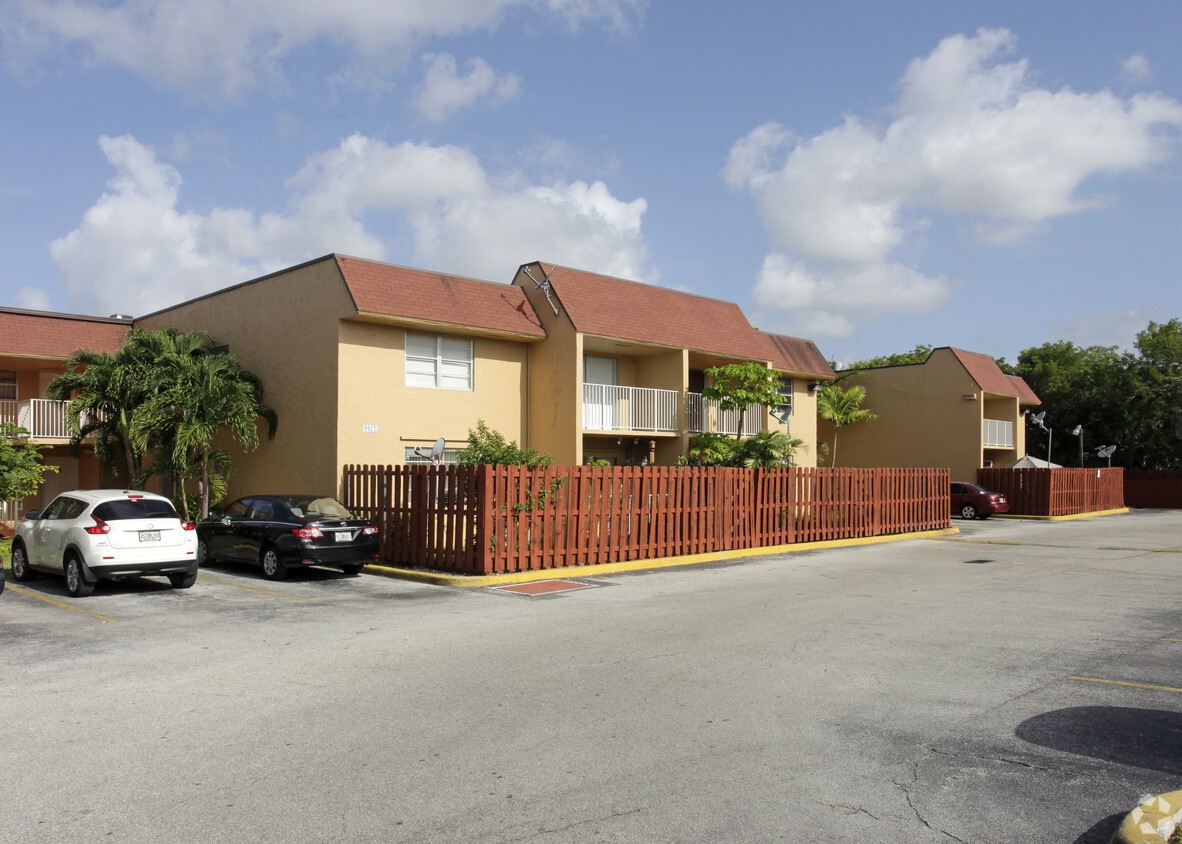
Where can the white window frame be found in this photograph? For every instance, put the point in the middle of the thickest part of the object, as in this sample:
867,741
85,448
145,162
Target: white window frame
6,382
786,389
445,368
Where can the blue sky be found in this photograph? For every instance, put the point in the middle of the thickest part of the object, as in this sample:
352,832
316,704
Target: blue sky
871,176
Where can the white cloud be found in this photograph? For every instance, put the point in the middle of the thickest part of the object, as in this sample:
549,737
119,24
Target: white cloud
229,47
969,136
1136,69
32,299
137,249
831,302
445,92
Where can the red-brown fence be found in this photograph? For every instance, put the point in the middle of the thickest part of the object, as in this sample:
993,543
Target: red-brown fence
1056,492
491,519
1150,488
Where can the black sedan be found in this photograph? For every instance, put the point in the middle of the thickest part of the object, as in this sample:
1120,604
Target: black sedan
283,531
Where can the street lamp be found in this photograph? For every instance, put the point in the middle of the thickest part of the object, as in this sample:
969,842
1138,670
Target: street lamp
1079,433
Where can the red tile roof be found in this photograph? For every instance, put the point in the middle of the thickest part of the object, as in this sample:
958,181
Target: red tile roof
418,294
792,354
989,377
45,335
628,310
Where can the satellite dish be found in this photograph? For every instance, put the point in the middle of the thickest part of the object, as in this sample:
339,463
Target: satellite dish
1038,417
1106,450
436,455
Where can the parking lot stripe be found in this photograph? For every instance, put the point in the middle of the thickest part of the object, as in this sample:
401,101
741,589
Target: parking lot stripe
61,604
1123,683
256,589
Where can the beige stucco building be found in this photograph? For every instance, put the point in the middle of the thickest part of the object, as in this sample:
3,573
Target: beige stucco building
364,362
956,409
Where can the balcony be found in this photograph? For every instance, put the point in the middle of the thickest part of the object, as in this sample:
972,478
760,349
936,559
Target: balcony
42,418
611,408
997,434
706,417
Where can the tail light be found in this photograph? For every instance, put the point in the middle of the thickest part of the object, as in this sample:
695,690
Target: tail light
188,526
99,526
369,530
307,532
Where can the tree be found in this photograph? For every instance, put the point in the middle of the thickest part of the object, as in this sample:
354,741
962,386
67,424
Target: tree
210,392
842,407
919,354
737,386
104,391
764,450
21,469
489,447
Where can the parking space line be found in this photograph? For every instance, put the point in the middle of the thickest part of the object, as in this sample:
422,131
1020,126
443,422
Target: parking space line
61,604
256,589
1123,683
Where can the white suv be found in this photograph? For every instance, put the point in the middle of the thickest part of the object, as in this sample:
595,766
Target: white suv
93,534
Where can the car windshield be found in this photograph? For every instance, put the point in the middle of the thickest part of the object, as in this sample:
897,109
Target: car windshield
135,508
309,507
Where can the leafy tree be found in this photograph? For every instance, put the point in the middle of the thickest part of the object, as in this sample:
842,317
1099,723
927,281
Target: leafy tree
208,393
489,447
105,390
737,386
21,469
919,354
842,407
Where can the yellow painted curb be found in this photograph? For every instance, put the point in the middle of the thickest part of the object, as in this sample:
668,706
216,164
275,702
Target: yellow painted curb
1115,512
1153,822
441,579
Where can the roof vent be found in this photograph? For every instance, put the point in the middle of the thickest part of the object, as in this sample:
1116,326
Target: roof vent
121,316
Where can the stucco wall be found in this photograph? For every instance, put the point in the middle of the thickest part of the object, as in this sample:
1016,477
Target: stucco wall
374,395
283,329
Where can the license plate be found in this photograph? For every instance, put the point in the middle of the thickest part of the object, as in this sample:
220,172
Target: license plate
149,536
342,536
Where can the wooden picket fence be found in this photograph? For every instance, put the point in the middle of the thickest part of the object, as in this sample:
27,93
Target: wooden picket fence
494,519
1153,488
1056,492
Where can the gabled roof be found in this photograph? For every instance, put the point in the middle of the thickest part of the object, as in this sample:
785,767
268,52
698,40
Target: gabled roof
989,377
628,310
390,290
792,354
48,335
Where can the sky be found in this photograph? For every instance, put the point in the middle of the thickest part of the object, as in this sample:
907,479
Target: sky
870,176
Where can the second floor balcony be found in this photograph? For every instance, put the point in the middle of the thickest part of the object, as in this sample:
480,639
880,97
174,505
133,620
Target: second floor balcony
707,417
610,408
996,433
42,418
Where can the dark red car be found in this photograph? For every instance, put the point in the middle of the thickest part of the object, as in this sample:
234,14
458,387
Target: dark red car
976,502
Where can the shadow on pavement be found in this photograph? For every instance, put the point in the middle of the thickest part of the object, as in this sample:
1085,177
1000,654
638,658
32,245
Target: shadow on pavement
1142,738
1101,833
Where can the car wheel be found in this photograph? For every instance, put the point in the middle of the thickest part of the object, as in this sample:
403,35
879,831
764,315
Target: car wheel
204,558
273,567
968,511
353,568
76,585
182,580
20,564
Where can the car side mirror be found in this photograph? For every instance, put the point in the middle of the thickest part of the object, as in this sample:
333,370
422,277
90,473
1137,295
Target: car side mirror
32,515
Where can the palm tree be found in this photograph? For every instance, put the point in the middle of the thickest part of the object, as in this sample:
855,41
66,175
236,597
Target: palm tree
105,391
842,407
209,393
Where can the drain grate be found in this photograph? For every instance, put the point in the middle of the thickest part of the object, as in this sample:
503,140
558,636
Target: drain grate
543,587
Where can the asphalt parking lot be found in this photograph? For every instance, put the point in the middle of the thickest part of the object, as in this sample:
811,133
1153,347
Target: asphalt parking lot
1020,681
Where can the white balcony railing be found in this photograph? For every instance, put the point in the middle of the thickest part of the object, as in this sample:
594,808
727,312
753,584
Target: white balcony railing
706,417
997,434
42,418
610,408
